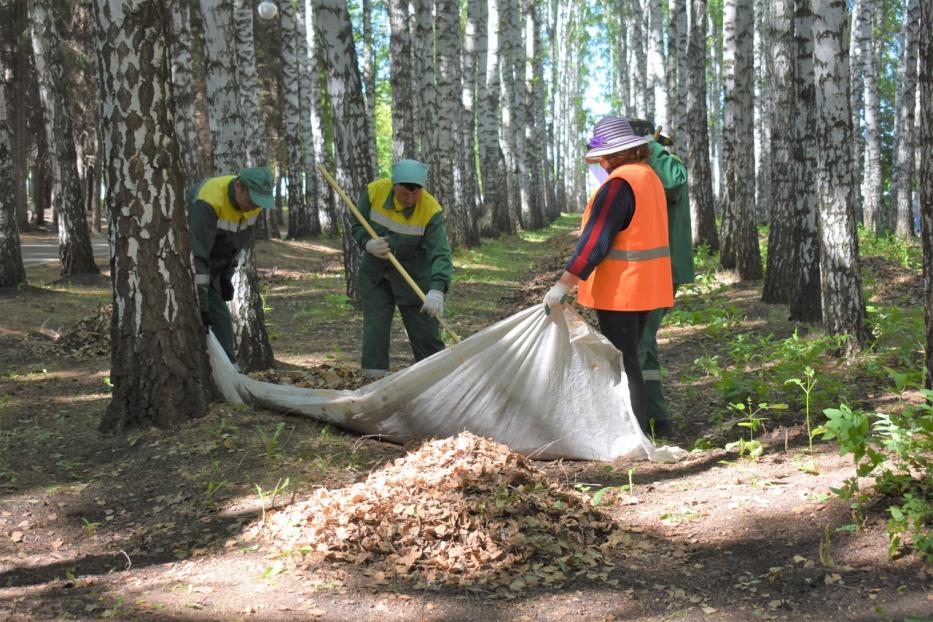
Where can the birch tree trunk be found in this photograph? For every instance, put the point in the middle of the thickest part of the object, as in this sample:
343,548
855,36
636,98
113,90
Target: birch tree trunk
510,128
872,182
806,290
224,116
902,185
426,101
308,100
860,33
74,236
621,74
299,226
699,173
248,85
183,90
12,272
492,160
353,145
533,142
467,143
843,305
780,273
677,66
324,196
401,79
640,74
159,367
925,179
450,186
739,235
657,76
762,115
728,200
22,54
715,98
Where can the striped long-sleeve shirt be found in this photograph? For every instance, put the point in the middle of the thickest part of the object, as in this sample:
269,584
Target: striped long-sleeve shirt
611,212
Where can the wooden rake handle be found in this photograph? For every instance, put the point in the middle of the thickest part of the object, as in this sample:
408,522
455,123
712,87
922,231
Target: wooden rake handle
392,259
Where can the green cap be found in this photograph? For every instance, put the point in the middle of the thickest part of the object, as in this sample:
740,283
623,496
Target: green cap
259,183
410,172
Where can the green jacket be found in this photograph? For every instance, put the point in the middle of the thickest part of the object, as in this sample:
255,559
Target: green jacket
673,176
416,236
218,231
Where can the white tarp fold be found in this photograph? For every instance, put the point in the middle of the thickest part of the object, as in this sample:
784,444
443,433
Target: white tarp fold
548,386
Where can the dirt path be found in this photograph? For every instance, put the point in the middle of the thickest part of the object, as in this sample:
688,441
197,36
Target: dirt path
164,526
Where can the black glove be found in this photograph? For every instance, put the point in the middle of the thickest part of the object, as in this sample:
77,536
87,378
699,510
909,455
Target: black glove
226,289
205,320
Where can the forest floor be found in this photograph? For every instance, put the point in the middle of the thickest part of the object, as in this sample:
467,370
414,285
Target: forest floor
179,525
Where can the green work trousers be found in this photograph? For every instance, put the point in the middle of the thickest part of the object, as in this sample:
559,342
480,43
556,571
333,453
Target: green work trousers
651,366
424,332
221,322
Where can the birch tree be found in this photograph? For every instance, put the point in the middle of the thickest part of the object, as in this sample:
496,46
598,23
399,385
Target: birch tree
299,225
902,185
450,171
400,77
657,76
677,70
636,25
324,197
309,93
872,181
353,145
860,25
780,273
534,104
74,236
183,90
18,96
492,159
806,291
426,101
159,367
513,110
925,179
699,172
762,96
843,305
12,272
739,237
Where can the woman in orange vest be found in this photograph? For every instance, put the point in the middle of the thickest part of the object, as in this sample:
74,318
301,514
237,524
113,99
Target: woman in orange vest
622,262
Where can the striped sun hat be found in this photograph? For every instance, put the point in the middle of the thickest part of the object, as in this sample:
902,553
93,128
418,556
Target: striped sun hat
611,135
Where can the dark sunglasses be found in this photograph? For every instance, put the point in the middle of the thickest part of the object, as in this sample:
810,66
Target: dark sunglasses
410,187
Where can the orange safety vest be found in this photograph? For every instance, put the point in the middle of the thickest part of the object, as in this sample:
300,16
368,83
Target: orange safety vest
636,273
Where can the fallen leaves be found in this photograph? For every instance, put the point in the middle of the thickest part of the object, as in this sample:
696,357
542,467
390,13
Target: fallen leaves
464,512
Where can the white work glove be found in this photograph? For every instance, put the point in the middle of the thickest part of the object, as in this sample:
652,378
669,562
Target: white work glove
433,304
555,295
378,247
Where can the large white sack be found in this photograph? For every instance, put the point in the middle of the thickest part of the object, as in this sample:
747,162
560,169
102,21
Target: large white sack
548,386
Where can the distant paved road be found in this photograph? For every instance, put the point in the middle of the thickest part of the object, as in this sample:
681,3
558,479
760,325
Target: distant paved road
38,252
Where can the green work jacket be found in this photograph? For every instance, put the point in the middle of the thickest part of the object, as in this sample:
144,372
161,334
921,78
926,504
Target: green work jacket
218,231
416,236
673,174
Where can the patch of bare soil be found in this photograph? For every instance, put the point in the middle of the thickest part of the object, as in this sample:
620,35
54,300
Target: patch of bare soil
208,522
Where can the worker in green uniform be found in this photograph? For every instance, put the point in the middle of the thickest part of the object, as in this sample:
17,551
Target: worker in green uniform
673,174
410,224
222,213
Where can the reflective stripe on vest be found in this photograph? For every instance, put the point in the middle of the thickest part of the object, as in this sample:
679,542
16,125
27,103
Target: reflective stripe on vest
394,219
635,275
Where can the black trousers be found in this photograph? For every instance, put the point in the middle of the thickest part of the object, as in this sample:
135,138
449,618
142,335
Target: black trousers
624,329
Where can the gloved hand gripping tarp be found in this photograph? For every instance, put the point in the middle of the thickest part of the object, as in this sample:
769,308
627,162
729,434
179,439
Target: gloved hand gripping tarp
547,386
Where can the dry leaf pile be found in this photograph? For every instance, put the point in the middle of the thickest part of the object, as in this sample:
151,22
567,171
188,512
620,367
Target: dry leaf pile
462,511
89,337
324,376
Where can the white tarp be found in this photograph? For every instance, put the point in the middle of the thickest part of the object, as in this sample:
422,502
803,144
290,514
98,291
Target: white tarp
548,386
